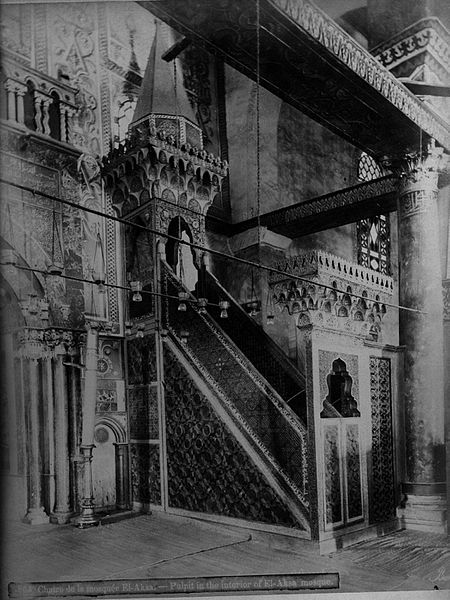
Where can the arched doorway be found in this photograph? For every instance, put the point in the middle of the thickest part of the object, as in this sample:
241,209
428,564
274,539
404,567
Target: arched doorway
181,257
110,466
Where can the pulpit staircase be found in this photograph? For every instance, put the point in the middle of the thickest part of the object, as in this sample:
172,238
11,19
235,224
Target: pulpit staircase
252,379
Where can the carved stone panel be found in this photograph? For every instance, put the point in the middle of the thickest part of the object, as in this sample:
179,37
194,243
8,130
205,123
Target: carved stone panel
333,484
353,472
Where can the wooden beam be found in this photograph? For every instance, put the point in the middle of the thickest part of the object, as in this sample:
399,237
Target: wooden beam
330,210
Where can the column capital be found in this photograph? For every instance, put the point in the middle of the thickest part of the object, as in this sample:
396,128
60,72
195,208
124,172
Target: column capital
31,343
419,171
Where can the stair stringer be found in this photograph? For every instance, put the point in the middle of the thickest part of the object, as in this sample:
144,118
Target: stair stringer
242,433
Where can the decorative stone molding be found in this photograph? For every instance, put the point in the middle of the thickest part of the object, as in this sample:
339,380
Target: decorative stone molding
355,309
323,29
177,127
144,133
426,36
328,267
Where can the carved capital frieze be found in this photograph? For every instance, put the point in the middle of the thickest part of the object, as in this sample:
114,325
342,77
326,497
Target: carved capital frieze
34,343
415,202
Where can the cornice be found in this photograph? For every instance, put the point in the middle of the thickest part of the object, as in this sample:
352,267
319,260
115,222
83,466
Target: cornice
325,31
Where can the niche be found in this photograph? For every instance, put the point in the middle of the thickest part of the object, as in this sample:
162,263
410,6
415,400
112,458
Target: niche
339,401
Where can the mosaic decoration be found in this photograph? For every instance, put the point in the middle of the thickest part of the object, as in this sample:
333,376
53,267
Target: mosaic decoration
141,360
208,471
107,398
353,472
333,489
382,494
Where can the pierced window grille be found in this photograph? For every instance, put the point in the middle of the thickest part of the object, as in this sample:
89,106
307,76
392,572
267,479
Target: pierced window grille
373,234
368,168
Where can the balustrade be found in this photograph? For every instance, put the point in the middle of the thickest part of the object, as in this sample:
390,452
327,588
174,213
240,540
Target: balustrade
39,102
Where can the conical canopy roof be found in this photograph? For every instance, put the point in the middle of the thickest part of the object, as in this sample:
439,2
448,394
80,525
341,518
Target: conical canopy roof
157,94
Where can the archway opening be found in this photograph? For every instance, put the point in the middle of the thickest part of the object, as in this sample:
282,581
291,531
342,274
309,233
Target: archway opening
181,257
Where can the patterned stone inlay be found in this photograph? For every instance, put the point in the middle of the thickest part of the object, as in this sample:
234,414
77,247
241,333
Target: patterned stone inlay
382,495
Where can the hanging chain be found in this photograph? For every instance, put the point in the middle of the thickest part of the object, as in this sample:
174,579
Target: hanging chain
258,157
177,170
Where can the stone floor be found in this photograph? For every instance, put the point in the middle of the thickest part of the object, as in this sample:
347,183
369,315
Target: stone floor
161,545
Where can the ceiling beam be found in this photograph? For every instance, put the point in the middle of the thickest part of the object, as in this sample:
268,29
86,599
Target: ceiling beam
330,210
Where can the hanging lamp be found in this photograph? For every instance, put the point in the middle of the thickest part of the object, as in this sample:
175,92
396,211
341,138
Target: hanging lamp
182,299
270,307
224,305
253,304
136,288
202,300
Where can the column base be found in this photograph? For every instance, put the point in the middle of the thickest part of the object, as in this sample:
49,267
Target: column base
87,517
424,513
36,516
60,517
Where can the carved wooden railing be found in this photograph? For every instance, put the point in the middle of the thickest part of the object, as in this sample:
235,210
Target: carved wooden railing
265,354
250,399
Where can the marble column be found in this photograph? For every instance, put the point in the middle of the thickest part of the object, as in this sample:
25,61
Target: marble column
62,511
421,332
36,514
87,517
122,484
